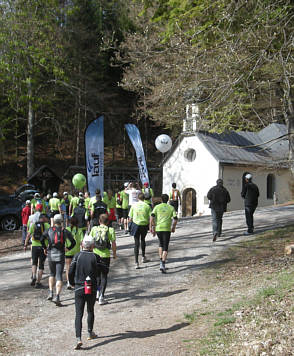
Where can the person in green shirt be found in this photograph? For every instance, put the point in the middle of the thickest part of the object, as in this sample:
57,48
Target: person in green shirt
87,207
78,236
139,221
104,240
125,206
73,204
148,194
54,206
35,232
163,221
37,200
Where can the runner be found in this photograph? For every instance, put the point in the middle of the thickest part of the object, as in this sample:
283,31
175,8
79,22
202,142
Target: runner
175,197
163,221
109,200
54,206
139,221
74,202
37,200
25,214
64,207
104,240
80,214
56,237
78,235
125,206
118,210
35,232
83,275
148,194
97,207
87,204
133,191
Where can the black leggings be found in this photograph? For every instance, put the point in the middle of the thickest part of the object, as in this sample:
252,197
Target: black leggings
103,269
163,237
38,257
140,235
80,299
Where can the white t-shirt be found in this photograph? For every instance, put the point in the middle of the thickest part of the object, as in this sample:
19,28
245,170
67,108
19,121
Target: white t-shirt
133,195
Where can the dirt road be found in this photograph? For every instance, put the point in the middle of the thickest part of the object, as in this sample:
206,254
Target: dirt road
145,314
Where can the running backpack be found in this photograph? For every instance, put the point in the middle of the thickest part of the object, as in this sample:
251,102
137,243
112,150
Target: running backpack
101,238
147,194
57,240
99,208
38,231
79,213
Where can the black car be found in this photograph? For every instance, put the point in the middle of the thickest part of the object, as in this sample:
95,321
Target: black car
11,207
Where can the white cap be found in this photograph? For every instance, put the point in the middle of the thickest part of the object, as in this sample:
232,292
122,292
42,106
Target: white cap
37,195
126,184
81,194
57,218
248,176
55,195
28,202
65,193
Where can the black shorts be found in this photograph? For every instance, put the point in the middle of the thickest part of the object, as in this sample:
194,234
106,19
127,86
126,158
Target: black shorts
56,269
163,237
68,257
38,257
53,213
125,213
119,212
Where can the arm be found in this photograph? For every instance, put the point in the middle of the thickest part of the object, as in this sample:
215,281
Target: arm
175,221
152,224
71,239
113,247
27,240
72,271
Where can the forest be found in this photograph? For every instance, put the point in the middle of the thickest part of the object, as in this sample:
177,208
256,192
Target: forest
63,62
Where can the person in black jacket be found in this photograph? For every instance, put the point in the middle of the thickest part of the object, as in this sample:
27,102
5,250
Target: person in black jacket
56,237
84,269
219,198
250,194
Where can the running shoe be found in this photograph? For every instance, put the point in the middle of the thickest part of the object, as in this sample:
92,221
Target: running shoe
161,265
33,282
50,296
126,232
78,344
214,237
38,285
68,286
57,301
92,335
102,300
163,269
145,259
137,265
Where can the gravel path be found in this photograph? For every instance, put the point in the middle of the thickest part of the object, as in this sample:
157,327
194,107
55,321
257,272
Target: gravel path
145,314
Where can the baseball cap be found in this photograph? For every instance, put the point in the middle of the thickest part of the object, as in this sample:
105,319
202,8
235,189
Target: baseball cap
248,176
37,195
126,184
55,195
28,202
65,193
81,195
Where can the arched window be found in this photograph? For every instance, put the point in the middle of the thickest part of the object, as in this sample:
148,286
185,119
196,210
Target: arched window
270,186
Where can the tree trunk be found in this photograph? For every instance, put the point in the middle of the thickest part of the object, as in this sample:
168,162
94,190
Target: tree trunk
30,134
78,123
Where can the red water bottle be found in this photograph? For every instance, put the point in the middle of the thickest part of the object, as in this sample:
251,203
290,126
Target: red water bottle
88,285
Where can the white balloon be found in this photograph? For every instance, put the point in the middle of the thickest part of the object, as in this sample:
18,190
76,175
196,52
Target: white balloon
163,143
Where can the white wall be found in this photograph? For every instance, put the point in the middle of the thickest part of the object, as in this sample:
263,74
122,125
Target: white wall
201,174
232,177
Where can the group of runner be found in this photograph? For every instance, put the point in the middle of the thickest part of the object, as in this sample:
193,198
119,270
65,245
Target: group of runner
56,226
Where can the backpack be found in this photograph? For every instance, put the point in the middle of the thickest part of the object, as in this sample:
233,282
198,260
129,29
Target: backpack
102,238
79,213
38,231
58,240
118,200
99,208
147,194
175,194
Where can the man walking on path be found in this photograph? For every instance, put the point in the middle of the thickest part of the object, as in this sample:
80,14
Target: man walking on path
250,194
163,221
218,197
56,237
139,216
35,232
83,275
25,214
175,197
